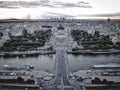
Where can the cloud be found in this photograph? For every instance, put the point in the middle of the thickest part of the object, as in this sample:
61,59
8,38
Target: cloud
102,15
55,15
59,15
43,3
108,15
70,5
17,4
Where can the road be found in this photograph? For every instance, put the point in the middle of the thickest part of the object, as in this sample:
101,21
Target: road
62,81
61,77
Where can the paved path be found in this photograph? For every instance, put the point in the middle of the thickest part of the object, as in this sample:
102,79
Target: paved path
61,77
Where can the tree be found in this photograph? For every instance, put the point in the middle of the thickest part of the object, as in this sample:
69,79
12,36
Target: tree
20,80
96,81
108,20
29,81
1,34
104,81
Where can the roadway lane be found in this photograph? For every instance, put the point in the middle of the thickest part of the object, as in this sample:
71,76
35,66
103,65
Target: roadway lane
61,79
61,71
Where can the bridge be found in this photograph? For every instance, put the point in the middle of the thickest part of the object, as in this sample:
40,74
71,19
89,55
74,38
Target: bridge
61,73
61,79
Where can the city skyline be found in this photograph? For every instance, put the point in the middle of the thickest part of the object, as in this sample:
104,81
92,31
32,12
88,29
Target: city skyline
78,9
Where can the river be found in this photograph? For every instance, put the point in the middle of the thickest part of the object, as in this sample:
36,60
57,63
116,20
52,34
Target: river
46,62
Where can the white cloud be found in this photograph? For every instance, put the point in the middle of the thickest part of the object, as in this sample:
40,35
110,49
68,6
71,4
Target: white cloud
67,8
44,3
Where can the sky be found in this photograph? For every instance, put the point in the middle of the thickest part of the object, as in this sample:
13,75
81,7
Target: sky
77,9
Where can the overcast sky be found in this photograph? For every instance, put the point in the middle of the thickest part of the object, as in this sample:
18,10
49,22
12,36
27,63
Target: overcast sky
60,8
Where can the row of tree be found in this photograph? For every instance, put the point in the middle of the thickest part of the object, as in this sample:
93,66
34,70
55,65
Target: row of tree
18,80
104,81
27,42
93,41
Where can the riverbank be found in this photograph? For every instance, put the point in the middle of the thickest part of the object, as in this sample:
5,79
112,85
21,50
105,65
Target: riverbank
95,52
25,53
37,53
86,77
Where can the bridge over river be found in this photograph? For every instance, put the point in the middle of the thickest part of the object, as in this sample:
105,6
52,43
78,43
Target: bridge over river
61,79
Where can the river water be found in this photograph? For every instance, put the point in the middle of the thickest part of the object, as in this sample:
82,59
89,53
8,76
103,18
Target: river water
46,62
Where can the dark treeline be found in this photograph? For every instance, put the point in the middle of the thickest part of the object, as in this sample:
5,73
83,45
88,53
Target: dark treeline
18,80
